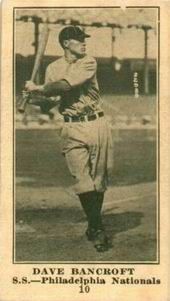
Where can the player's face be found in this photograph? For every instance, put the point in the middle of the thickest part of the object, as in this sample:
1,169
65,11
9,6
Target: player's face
77,47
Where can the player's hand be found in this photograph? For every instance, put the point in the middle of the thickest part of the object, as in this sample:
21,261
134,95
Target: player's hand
30,86
25,94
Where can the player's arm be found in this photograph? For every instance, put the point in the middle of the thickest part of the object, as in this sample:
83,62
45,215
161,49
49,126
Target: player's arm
49,89
78,74
82,71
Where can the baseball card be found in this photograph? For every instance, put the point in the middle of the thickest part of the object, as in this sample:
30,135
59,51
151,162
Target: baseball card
85,164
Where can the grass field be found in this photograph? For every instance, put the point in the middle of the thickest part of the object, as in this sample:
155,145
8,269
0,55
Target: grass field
50,222
129,105
118,105
38,155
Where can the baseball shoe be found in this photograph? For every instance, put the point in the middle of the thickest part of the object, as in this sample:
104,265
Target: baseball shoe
101,241
90,233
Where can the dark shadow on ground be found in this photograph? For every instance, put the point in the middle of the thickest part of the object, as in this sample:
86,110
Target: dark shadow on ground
120,222
59,236
41,218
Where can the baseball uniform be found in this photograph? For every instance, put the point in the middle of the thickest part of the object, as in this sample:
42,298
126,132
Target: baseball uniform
87,138
71,80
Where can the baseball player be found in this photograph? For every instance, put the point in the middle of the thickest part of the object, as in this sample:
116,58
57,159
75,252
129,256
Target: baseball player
87,138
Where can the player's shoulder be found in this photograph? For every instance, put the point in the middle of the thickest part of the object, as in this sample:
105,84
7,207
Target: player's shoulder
88,61
88,58
57,63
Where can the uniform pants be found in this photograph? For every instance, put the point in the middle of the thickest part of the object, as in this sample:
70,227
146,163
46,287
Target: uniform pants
88,149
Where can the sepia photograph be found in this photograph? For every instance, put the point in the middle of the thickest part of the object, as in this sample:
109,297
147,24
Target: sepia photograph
86,134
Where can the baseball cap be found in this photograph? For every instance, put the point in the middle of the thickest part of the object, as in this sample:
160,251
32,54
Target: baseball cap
72,32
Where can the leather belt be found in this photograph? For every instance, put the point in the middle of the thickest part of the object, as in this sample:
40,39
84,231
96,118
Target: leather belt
83,117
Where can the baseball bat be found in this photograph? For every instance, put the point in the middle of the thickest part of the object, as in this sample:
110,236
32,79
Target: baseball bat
40,52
